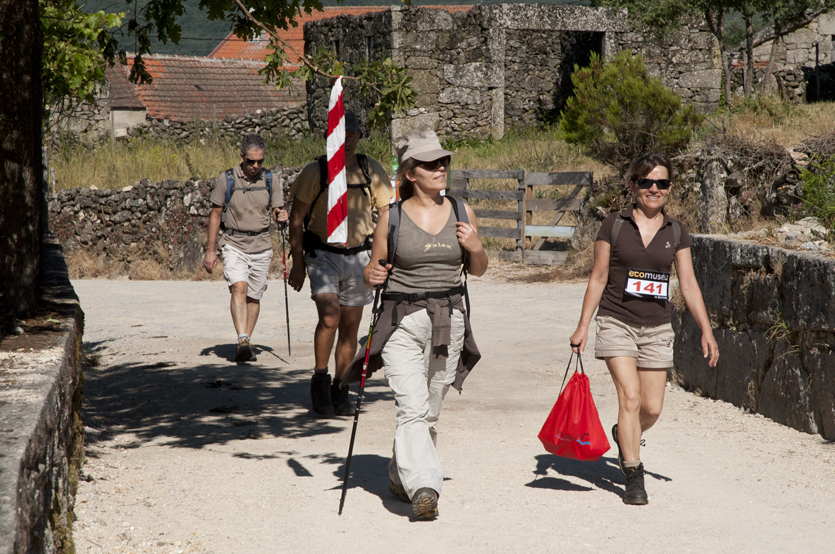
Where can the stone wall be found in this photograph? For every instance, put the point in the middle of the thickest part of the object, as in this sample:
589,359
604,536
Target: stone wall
774,319
353,39
481,71
41,440
163,222
285,121
687,62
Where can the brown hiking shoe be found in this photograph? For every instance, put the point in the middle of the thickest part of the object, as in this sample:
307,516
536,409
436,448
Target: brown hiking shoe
244,351
425,503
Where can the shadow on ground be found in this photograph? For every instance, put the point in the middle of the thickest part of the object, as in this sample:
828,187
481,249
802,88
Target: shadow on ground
193,406
603,474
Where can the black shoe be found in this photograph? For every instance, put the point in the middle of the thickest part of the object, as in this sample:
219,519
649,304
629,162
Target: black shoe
244,351
320,394
635,493
397,490
620,454
425,503
341,405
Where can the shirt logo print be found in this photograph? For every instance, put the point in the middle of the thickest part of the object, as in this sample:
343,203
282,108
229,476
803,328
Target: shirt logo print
668,244
430,245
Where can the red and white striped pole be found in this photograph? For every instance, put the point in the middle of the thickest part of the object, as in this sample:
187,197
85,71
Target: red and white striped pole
337,182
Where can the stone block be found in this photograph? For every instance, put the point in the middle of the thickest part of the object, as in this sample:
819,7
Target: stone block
826,24
810,282
402,126
787,395
708,79
425,82
756,298
420,62
459,95
474,75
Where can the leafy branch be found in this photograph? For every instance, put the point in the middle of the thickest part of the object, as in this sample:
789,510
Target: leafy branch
390,83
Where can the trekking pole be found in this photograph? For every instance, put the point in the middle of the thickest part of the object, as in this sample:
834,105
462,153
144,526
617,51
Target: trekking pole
281,227
362,387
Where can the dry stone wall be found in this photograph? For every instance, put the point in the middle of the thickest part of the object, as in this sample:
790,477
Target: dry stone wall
774,319
164,222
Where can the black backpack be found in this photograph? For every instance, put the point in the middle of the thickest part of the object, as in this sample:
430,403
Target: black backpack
460,210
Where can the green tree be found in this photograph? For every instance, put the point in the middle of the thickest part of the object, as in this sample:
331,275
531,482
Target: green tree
620,112
77,49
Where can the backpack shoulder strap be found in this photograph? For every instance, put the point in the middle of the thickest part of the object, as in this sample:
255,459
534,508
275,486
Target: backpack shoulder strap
268,176
613,238
393,228
676,234
460,210
362,159
230,186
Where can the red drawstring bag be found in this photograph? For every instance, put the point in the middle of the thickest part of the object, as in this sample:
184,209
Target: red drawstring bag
573,428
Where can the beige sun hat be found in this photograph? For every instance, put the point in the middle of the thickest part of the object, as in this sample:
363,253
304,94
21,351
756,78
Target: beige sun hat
423,146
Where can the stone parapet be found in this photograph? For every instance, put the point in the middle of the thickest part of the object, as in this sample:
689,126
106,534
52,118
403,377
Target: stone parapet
773,312
41,437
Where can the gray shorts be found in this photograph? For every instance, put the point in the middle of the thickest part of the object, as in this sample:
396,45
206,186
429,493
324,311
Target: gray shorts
651,345
341,275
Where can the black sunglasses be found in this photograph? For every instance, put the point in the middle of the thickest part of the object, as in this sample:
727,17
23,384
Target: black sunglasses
646,184
253,162
435,164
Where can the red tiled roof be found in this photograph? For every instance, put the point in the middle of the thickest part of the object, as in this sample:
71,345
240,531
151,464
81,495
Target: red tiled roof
122,92
188,88
233,47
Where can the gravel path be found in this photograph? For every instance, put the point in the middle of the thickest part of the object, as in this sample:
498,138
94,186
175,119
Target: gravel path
189,452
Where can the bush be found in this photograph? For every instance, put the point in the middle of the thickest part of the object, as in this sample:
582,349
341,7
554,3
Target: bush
819,191
619,112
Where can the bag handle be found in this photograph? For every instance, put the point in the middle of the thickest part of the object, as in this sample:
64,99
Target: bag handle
578,363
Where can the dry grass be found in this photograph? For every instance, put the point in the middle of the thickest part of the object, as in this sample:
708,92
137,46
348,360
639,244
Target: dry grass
770,119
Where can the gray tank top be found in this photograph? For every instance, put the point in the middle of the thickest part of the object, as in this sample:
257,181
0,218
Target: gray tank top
426,262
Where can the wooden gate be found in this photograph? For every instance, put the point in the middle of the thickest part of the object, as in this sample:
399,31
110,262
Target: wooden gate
526,204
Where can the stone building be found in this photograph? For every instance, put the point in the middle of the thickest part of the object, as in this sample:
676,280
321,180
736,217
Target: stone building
798,55
481,69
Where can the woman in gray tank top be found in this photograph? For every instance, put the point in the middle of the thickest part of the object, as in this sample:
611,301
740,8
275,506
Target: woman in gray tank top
422,336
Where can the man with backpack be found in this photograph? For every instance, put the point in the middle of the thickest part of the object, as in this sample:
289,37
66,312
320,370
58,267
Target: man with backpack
243,202
335,270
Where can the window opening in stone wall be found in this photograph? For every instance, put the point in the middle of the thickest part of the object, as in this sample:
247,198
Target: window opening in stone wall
336,47
368,47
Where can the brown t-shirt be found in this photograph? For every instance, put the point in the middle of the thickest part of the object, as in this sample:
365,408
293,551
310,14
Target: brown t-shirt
248,210
629,253
360,202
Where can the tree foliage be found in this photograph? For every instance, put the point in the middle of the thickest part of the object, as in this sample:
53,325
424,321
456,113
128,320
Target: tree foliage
77,49
620,112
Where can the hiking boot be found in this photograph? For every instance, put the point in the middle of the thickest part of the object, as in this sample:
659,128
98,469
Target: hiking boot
620,454
635,493
341,405
244,351
425,503
320,394
397,490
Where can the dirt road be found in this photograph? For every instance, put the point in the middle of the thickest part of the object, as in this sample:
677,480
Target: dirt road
188,452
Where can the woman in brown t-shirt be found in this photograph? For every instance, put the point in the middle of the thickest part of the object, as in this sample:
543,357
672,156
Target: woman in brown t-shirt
633,257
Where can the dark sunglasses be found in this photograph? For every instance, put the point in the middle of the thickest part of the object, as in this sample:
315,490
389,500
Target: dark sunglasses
646,184
253,162
435,164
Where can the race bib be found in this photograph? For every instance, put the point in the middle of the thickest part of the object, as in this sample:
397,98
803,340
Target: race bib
647,284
